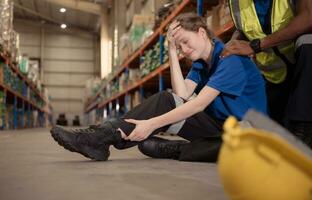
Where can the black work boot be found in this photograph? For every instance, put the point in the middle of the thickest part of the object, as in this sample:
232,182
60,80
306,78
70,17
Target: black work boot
92,142
156,147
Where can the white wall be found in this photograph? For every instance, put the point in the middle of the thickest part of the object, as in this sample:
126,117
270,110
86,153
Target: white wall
68,61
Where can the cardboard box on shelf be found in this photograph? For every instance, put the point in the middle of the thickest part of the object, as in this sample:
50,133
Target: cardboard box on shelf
125,51
146,20
124,45
141,29
224,13
134,75
91,85
123,81
219,15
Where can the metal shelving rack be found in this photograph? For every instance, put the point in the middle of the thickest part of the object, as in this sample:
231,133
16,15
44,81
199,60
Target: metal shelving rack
162,72
22,104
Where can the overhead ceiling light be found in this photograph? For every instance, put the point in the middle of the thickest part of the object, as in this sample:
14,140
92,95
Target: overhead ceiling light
63,26
62,10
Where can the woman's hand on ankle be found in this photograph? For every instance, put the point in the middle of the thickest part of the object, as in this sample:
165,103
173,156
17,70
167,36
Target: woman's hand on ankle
142,130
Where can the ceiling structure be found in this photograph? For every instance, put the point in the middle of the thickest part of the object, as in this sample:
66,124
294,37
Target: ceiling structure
83,15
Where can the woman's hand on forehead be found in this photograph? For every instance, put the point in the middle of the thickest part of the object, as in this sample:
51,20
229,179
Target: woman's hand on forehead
173,29
174,25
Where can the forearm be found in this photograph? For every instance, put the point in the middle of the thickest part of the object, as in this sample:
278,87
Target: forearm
180,113
301,24
177,80
204,98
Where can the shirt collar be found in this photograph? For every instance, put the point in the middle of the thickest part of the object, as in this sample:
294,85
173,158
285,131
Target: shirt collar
218,47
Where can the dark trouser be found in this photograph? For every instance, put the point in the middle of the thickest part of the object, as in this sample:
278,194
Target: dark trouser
200,129
299,108
277,98
300,99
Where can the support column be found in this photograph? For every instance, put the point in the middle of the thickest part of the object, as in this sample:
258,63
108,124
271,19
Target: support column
161,82
106,58
15,113
200,7
162,48
42,36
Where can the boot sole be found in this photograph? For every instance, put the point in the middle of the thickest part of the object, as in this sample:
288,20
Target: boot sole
94,156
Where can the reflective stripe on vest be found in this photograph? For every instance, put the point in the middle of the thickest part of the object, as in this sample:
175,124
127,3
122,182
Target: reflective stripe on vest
246,20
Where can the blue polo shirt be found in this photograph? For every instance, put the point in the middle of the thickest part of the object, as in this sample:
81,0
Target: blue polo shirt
237,78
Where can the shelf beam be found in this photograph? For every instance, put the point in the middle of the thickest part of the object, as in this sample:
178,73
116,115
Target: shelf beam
139,84
147,42
16,71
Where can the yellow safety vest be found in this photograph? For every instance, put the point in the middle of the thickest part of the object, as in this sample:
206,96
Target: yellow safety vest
246,20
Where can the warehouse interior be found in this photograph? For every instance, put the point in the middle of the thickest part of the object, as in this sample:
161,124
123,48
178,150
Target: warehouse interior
76,63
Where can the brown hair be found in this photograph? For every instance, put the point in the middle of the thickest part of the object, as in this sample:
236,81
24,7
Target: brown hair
192,22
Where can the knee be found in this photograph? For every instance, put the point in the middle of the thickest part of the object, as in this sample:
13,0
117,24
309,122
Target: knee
168,94
164,95
303,39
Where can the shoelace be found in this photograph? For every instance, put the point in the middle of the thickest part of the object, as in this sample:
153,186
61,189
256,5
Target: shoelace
83,130
89,135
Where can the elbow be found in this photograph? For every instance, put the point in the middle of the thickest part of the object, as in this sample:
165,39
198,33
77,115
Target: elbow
182,95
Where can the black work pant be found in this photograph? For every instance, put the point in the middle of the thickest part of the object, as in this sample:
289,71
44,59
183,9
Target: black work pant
277,98
300,100
299,108
290,102
202,130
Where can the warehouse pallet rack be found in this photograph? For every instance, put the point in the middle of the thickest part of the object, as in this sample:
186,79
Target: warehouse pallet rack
21,103
156,80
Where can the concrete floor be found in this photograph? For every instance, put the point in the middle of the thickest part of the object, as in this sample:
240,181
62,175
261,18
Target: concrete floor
33,166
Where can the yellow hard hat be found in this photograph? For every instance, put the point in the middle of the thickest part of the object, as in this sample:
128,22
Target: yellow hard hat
255,164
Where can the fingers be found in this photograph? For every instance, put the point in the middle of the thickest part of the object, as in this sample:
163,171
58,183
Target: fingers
230,49
132,121
172,34
174,31
173,25
227,52
173,28
135,136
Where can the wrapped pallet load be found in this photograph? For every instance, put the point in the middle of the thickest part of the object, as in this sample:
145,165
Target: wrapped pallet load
6,23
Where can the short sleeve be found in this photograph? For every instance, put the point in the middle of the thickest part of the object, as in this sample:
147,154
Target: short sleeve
230,76
194,73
